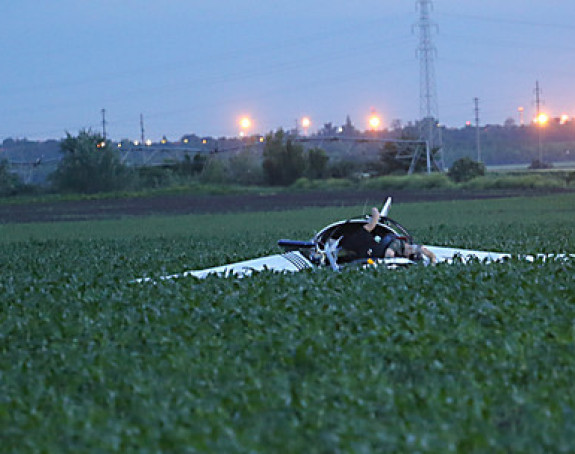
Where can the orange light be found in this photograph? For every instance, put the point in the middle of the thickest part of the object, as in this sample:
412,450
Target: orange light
542,119
245,123
374,122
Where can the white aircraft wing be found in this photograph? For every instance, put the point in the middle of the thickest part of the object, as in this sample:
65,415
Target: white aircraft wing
288,262
447,254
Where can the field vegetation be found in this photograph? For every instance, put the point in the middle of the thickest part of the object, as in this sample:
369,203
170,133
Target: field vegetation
451,358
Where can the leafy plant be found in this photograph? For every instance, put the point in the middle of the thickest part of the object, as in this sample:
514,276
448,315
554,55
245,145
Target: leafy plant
465,169
428,359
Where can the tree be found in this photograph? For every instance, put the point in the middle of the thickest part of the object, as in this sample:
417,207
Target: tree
191,166
10,183
316,163
283,163
536,164
245,168
465,169
89,165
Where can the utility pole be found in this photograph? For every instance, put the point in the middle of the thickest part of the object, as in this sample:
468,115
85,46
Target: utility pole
142,129
428,106
104,123
477,142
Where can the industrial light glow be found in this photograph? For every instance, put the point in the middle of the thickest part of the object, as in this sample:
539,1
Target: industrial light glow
542,119
374,122
245,123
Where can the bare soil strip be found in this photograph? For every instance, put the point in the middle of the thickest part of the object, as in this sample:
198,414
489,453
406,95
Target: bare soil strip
204,204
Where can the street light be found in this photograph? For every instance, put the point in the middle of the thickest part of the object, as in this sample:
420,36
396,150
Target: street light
305,124
520,109
542,119
374,121
245,124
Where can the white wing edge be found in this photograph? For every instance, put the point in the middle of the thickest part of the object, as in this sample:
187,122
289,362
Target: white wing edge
448,255
289,262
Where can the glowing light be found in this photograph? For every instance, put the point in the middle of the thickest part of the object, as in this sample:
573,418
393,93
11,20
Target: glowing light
542,119
186,140
564,119
305,122
261,139
245,123
149,142
374,121
136,143
119,145
204,141
520,109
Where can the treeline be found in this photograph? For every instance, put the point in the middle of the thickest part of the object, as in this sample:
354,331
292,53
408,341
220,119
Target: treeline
512,144
90,164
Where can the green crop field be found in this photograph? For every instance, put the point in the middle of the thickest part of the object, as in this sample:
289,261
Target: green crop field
450,358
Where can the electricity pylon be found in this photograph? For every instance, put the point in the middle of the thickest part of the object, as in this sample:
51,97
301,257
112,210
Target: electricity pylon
428,105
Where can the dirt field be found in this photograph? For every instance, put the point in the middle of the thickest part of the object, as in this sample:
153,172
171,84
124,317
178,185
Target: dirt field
195,204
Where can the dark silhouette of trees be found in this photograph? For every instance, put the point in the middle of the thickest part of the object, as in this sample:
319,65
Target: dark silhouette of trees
283,161
465,169
90,165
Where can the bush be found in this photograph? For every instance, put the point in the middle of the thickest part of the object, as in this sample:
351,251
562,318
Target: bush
245,168
343,169
90,165
412,182
324,185
214,172
513,182
466,169
155,177
316,163
283,162
10,183
191,166
536,164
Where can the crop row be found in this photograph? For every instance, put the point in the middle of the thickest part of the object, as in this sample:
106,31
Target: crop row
438,359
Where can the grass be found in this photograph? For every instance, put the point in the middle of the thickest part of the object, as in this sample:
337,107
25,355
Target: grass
502,179
442,359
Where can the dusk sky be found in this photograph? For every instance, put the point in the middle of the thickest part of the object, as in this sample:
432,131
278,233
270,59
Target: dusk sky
198,66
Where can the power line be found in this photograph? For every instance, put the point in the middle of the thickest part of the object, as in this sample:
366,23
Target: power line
509,21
